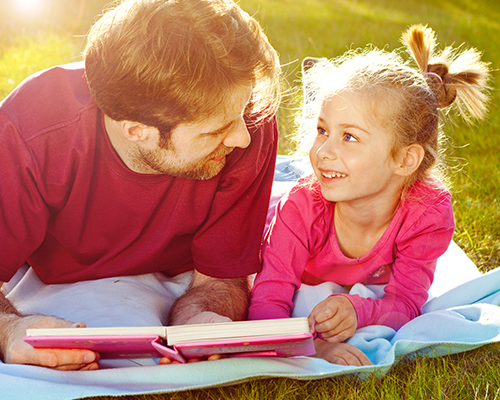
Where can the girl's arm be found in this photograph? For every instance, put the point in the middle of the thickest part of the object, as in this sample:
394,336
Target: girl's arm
417,248
276,284
286,251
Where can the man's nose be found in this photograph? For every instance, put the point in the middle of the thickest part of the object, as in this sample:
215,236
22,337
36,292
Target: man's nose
238,137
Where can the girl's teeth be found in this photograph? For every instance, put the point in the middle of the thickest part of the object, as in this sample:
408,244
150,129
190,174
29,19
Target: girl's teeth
331,175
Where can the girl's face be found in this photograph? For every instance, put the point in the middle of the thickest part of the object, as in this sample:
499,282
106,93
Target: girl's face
351,154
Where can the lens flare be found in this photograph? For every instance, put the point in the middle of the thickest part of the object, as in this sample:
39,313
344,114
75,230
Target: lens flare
29,6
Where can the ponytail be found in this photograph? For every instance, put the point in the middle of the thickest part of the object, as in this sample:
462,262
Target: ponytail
405,100
453,76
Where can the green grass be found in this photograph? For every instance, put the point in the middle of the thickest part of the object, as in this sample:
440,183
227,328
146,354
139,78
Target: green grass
470,375
29,55
327,28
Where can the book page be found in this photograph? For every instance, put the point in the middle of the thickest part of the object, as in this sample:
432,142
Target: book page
115,331
233,330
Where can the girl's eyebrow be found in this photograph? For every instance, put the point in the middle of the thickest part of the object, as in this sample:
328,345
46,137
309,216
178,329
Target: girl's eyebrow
355,127
345,126
322,121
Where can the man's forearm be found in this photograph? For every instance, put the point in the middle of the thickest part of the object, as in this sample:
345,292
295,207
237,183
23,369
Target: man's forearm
6,307
226,297
8,314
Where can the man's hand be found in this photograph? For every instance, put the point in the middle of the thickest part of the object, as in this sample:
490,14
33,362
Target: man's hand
16,351
340,353
206,317
224,297
210,300
334,319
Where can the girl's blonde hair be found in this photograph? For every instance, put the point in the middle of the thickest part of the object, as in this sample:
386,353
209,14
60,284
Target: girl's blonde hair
403,99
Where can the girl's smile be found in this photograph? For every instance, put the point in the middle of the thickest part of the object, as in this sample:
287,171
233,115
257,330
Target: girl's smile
332,174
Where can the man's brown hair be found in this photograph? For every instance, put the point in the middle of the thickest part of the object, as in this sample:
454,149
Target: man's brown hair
166,62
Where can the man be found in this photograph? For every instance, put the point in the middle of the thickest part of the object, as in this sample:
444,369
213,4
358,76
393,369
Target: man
158,156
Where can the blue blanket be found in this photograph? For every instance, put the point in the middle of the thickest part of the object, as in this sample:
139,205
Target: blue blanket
461,314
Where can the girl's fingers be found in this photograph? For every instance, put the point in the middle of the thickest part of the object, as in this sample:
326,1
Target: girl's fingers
335,326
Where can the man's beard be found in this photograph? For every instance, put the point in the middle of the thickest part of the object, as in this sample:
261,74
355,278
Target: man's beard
157,162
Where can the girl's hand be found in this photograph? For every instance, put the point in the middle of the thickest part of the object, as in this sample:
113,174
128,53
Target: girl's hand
334,319
340,353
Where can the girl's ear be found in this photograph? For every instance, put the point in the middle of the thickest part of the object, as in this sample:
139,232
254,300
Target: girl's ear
412,157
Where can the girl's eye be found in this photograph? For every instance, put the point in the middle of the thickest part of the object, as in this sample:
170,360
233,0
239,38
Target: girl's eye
349,138
321,131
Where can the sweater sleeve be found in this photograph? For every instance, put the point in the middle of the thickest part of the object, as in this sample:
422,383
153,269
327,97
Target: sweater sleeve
23,213
417,249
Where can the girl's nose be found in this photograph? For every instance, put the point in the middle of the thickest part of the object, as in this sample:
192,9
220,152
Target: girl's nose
327,151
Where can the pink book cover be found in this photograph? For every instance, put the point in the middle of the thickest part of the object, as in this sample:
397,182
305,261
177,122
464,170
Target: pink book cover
151,346
289,345
110,346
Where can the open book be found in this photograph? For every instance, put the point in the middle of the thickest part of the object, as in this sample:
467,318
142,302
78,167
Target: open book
273,337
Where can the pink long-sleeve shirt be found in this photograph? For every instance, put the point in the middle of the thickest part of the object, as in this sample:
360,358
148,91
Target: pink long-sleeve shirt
301,247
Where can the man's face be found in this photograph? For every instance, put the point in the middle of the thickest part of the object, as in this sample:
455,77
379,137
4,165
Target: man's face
199,150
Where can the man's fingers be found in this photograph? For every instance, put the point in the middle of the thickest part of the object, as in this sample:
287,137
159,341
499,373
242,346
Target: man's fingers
76,325
19,352
167,361
78,367
215,357
90,367
63,359
207,317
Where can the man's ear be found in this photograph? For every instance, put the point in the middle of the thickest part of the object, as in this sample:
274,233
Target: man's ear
412,157
134,131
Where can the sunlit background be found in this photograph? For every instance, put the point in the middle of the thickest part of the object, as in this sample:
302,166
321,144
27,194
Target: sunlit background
38,34
58,16
28,6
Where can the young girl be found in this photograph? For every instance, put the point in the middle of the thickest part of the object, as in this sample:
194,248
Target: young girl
372,213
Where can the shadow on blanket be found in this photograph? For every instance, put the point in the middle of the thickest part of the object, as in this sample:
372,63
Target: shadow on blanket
461,314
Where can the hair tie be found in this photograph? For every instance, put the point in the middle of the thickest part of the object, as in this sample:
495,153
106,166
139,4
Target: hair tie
434,74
